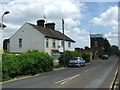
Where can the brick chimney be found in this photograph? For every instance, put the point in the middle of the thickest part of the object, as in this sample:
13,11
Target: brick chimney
50,26
40,23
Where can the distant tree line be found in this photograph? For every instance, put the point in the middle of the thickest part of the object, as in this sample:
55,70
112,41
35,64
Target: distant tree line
114,50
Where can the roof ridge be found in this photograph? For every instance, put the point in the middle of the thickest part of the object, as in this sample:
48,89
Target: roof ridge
51,33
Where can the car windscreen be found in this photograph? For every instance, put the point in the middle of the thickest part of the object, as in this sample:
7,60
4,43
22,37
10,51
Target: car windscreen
74,59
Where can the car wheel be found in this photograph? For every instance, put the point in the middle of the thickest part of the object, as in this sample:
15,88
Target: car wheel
84,64
79,65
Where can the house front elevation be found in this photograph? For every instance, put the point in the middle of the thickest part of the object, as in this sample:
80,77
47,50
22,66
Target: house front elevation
42,37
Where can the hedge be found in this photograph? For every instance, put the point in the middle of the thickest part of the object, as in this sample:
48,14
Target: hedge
10,66
31,62
67,55
86,57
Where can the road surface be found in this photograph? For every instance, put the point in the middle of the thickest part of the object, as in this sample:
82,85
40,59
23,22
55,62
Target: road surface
96,74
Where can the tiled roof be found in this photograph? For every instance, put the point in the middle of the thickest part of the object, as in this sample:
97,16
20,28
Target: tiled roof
51,33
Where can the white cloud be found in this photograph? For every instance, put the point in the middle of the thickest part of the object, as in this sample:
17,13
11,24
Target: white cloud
109,18
80,35
69,22
31,10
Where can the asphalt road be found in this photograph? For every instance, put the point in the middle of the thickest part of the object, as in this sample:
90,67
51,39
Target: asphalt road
96,74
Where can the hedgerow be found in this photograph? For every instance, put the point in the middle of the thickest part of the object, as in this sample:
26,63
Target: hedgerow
67,55
31,62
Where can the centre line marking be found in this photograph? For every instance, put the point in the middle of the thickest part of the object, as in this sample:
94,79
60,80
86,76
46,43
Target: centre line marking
61,81
70,78
67,79
89,69
86,70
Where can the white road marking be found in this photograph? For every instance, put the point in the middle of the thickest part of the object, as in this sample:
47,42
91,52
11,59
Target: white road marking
67,79
89,69
113,80
86,70
61,81
70,79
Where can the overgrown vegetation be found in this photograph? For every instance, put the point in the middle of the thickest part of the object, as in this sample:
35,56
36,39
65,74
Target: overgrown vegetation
86,57
67,55
31,62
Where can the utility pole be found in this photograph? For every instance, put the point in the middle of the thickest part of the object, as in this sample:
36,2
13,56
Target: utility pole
45,18
63,41
91,54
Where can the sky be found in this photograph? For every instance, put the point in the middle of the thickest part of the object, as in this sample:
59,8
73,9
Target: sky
81,17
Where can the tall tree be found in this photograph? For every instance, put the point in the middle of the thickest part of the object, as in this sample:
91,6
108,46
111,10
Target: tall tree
107,46
114,49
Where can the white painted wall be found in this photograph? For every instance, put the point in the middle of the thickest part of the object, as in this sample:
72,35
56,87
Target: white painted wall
31,40
58,43
8,47
72,48
50,40
34,40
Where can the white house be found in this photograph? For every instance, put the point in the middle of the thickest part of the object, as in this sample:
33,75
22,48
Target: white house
42,37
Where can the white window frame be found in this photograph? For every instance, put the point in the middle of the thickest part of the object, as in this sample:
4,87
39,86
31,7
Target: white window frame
69,44
62,43
20,42
47,43
54,43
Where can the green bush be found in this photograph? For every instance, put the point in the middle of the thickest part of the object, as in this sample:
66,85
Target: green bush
31,62
86,57
10,66
26,64
67,55
34,62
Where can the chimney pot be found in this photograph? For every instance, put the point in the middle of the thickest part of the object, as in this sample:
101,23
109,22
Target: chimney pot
40,23
50,26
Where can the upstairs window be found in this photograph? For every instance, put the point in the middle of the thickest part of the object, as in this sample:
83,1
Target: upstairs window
54,43
69,44
47,43
96,44
62,43
20,42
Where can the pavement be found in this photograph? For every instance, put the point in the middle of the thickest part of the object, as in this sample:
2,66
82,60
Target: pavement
29,76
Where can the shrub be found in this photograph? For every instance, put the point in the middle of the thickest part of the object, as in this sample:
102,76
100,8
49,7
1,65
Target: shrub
26,64
10,66
34,62
31,62
86,57
67,55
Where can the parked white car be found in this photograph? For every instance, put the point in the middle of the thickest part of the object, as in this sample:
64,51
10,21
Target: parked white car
104,57
77,61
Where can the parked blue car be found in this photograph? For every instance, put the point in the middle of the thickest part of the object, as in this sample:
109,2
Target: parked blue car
77,61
